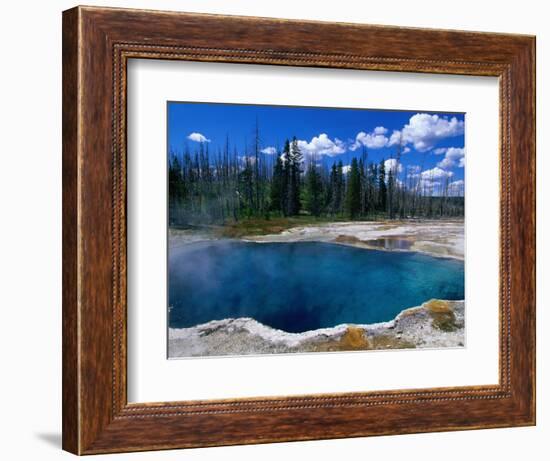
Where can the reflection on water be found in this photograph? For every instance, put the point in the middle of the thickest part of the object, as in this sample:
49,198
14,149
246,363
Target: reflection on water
390,243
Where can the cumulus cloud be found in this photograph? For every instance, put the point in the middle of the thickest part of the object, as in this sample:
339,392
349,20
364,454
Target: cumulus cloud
454,156
374,140
436,174
456,188
346,169
269,150
424,131
379,138
198,137
395,138
322,145
433,180
392,165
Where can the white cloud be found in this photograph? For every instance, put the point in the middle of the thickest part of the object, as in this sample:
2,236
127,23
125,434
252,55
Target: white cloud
322,145
395,138
392,165
436,174
375,140
378,139
198,137
269,150
346,169
453,156
424,131
456,188
432,180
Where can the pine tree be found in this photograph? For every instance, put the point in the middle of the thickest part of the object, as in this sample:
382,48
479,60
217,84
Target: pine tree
247,188
257,183
294,164
382,192
176,190
353,193
391,193
372,172
327,189
362,185
340,186
176,185
207,186
314,190
277,191
333,186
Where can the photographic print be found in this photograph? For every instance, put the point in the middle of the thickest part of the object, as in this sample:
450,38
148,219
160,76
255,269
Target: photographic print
311,229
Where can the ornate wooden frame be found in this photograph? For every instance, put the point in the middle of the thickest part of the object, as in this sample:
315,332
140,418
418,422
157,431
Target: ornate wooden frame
97,43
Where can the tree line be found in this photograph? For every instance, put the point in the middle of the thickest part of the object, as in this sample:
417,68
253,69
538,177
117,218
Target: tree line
233,185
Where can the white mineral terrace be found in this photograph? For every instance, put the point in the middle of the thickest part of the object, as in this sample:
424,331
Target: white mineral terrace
437,238
434,324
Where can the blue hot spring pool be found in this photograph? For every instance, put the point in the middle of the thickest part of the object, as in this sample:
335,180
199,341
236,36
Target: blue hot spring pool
302,286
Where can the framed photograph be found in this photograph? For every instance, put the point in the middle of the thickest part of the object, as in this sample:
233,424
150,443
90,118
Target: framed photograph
284,230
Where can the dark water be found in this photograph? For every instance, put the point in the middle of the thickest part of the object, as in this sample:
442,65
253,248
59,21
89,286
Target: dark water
302,286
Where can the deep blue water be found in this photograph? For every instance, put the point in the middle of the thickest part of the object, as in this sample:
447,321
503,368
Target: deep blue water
302,286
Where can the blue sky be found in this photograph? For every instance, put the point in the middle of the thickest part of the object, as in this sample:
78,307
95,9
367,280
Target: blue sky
432,143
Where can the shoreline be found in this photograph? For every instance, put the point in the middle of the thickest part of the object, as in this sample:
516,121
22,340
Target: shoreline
433,324
438,238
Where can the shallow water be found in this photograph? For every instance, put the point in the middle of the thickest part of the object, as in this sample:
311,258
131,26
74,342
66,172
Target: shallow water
302,286
391,243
